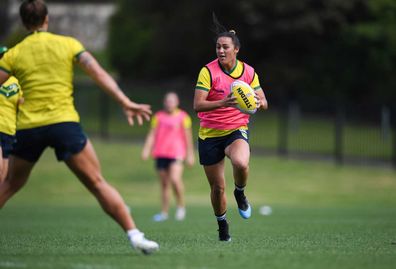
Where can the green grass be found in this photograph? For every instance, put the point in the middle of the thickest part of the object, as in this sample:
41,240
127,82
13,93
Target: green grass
324,216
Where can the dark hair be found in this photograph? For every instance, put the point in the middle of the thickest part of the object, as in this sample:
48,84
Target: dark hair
33,13
221,31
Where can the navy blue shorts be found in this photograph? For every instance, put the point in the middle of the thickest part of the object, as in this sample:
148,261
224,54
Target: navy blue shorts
163,163
66,138
6,144
212,150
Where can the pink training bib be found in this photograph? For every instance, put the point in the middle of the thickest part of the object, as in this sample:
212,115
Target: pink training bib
170,139
225,118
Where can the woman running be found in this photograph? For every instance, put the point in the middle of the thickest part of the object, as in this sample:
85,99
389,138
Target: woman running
223,128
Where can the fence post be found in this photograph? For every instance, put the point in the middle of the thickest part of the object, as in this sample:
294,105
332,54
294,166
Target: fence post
339,134
393,132
283,131
104,109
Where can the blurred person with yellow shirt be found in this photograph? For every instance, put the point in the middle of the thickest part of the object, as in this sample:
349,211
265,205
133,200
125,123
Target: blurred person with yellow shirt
43,64
10,98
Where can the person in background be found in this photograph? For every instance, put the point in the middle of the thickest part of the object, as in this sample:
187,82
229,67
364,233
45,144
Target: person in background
10,98
170,143
43,64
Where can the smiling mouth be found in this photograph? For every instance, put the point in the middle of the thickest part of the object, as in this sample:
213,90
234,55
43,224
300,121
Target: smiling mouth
222,57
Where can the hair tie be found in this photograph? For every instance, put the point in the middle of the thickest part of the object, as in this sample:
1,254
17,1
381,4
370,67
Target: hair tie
232,32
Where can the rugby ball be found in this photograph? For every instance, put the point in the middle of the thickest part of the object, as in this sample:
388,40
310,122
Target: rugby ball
245,96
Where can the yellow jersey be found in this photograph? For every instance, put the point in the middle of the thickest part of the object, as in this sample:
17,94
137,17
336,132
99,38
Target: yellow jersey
43,65
10,93
204,82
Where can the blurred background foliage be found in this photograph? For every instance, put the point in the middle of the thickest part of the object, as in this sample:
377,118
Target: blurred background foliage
316,51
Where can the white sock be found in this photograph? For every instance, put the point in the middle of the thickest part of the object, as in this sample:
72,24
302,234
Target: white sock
240,188
132,233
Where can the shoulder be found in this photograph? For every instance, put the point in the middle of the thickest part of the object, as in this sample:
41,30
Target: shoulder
183,113
246,66
214,62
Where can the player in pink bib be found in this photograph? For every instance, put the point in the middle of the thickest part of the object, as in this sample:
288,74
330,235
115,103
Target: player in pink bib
170,143
223,128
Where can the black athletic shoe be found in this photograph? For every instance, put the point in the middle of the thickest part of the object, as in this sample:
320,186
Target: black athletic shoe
223,231
243,205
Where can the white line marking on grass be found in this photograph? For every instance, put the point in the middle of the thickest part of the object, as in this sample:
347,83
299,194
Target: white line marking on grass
7,264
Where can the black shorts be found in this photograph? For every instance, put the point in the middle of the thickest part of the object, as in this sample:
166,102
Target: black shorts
163,163
6,144
212,150
66,138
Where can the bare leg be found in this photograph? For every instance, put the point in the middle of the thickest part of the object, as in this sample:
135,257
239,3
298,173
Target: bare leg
86,167
19,171
3,168
239,154
175,175
165,189
215,175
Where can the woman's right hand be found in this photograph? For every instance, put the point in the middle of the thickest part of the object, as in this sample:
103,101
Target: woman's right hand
139,111
229,101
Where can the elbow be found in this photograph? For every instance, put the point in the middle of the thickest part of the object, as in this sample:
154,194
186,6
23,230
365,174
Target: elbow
264,105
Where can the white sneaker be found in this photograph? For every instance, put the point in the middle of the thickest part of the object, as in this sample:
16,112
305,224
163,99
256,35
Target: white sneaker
160,217
139,242
180,213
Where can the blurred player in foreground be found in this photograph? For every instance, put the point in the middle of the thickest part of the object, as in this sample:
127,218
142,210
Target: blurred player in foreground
43,64
10,98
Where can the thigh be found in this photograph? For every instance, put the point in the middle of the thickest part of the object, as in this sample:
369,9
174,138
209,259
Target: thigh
238,151
18,170
3,167
85,165
176,170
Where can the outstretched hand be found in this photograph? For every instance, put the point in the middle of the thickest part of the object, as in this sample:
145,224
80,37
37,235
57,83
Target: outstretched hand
139,111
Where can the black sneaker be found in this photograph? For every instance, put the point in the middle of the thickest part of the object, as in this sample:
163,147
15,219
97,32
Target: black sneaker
244,207
223,231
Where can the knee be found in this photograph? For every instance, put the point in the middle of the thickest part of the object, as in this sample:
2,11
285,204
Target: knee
165,183
241,164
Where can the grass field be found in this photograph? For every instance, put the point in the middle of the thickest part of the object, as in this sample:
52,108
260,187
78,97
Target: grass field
324,216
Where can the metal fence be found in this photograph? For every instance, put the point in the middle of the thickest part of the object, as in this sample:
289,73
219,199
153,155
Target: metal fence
343,134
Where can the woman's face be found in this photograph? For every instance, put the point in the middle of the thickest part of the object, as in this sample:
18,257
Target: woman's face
226,51
171,102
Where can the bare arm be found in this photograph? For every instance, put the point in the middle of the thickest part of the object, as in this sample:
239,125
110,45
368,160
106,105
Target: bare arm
261,100
201,103
148,144
190,159
3,76
131,109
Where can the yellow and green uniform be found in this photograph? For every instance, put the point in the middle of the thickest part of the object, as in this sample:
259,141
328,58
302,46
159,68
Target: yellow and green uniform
43,64
204,82
10,93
